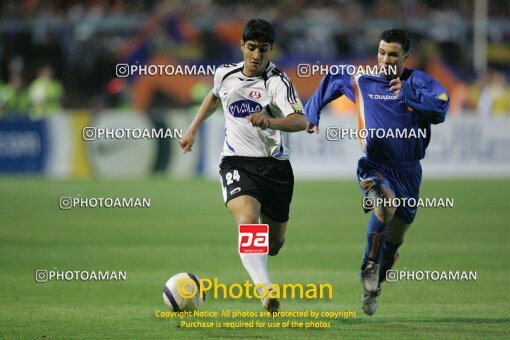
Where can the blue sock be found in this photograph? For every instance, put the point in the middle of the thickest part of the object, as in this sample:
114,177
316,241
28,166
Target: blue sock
389,250
375,238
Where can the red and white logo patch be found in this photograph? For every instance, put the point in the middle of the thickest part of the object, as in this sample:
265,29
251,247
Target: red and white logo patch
254,95
254,238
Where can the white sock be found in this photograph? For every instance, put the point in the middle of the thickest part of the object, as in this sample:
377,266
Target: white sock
256,265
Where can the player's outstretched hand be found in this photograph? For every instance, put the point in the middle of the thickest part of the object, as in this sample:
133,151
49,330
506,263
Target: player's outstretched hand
259,119
396,85
310,128
186,142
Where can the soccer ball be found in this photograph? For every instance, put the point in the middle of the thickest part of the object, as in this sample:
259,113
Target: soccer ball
182,292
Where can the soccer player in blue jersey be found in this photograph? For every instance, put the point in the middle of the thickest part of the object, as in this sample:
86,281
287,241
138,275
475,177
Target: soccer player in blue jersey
405,99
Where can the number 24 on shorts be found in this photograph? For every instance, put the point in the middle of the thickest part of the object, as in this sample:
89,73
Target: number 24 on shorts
231,177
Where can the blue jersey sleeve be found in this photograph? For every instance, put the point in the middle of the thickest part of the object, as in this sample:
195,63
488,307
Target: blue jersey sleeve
330,88
427,96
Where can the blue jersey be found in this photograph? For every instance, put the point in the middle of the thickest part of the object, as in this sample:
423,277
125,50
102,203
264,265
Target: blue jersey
422,101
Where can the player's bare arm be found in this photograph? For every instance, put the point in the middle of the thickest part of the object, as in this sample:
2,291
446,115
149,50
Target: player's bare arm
208,107
292,123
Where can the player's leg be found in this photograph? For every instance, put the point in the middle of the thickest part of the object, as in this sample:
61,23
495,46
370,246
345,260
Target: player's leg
394,239
246,210
243,192
278,186
379,220
405,183
374,186
276,240
407,186
276,234
377,225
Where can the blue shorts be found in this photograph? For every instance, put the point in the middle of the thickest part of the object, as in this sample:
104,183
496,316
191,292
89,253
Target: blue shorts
403,179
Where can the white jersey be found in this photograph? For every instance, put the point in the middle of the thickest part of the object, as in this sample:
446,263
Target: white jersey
241,96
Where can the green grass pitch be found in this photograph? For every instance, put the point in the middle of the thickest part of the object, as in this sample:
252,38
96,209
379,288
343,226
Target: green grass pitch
187,228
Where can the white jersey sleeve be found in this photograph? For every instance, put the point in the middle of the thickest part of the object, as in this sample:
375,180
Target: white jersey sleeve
283,94
219,76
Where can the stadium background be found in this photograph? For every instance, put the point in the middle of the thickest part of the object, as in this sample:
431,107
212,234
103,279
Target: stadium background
57,73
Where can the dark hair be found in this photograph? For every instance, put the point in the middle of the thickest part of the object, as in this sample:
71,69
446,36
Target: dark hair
397,35
259,30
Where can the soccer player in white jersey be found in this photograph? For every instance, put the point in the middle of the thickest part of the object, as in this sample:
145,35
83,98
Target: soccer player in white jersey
261,107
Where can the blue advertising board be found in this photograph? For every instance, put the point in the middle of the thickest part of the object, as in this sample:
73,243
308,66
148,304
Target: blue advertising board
23,146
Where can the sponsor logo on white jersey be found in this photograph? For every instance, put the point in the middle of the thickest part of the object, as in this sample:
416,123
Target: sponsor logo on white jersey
244,108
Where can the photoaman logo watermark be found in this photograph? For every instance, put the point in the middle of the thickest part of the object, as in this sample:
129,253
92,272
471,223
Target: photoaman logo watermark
371,202
308,70
128,70
44,275
67,202
91,133
334,133
393,276
188,288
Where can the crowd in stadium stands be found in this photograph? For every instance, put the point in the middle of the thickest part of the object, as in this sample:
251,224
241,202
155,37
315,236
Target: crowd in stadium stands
84,40
42,98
